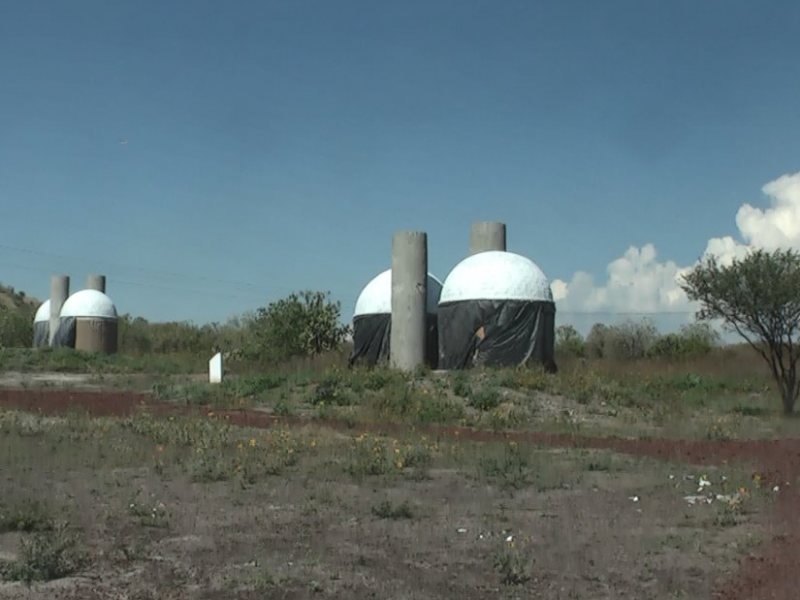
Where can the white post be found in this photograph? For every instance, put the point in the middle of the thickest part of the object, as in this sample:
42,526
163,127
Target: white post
215,368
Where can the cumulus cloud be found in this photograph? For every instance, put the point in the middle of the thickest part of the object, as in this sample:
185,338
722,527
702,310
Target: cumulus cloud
638,282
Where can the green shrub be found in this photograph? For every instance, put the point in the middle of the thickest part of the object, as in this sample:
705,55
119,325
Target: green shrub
459,381
484,399
45,556
26,517
387,510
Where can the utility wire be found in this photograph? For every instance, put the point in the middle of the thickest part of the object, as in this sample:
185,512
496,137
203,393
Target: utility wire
181,290
135,268
264,295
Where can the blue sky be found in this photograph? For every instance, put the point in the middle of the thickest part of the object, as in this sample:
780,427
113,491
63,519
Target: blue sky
275,146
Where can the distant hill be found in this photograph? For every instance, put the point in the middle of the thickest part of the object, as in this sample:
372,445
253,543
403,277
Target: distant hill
12,299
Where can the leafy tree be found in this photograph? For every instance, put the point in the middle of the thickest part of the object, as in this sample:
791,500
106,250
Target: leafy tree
700,338
303,324
16,327
758,297
596,340
569,341
631,340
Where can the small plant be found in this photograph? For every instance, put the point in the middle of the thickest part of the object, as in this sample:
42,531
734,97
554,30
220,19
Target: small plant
405,402
534,379
750,411
510,563
45,556
369,456
377,379
147,515
484,399
332,390
29,517
258,384
459,381
730,512
282,407
387,510
718,432
511,468
507,415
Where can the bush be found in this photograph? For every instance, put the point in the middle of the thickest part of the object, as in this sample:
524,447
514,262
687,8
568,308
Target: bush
485,398
45,556
631,341
697,339
569,341
596,341
387,510
304,324
16,328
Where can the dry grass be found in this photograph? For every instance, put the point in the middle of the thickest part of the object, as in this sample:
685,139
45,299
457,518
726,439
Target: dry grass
192,508
727,363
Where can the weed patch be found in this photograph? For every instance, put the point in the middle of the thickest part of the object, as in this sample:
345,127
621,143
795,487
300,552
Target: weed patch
45,556
387,510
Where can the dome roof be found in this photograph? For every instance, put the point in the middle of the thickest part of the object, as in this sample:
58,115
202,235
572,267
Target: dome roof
496,275
89,303
43,312
376,297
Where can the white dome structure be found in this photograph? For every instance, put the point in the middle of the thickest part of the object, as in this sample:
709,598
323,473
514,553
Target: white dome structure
496,275
376,297
372,321
41,325
88,322
43,313
496,308
90,304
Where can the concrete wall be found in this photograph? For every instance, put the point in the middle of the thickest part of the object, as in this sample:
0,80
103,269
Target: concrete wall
96,335
409,299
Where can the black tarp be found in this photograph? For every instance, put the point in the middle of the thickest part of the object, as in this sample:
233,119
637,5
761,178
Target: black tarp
371,336
65,333
496,333
41,334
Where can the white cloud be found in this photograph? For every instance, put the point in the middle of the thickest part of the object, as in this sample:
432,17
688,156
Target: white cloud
638,283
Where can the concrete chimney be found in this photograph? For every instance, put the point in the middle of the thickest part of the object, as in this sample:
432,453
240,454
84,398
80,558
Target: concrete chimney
486,236
59,292
409,299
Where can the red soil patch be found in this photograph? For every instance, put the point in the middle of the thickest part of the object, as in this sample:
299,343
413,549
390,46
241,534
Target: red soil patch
772,573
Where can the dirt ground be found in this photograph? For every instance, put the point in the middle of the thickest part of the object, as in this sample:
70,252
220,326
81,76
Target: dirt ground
623,532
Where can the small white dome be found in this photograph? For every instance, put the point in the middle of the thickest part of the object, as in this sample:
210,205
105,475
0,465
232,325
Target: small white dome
376,297
496,275
89,304
43,313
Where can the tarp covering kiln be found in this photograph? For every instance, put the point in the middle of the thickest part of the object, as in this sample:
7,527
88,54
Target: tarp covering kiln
41,326
496,309
372,321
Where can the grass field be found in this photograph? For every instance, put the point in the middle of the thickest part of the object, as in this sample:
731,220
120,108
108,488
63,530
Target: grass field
196,508
153,504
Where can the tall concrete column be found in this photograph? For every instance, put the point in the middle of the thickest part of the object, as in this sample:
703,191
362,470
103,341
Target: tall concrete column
487,235
96,282
59,292
409,299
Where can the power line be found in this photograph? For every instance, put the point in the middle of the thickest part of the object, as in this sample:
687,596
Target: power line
262,294
135,268
151,285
